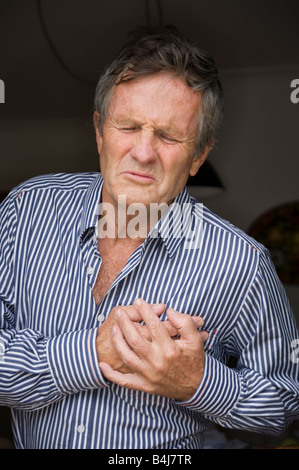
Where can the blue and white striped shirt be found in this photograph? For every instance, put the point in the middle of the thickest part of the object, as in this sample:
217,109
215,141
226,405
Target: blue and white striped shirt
49,374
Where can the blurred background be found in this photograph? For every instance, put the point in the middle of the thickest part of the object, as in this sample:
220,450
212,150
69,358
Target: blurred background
51,55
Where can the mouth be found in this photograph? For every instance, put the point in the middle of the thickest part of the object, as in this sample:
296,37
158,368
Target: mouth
139,177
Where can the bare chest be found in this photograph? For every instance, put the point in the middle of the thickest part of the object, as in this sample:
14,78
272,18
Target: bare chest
111,266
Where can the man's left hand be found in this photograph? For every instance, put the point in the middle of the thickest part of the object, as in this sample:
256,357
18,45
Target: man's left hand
160,364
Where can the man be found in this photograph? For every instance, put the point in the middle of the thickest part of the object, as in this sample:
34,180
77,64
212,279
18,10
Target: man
116,334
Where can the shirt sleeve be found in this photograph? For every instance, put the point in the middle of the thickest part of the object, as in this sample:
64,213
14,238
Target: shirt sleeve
36,370
261,393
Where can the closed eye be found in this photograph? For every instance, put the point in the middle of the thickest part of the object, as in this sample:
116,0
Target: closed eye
129,129
168,139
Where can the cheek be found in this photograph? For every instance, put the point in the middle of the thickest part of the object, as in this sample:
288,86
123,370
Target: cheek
119,146
174,180
109,154
176,168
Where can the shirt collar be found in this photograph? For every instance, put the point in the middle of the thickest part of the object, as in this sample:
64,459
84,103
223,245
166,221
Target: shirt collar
90,205
173,227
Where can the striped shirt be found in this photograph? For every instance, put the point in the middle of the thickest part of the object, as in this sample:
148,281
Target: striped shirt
49,373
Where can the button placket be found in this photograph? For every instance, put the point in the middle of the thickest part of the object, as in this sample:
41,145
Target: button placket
90,270
101,318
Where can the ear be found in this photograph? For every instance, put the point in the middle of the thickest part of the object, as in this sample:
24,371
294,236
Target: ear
199,160
96,123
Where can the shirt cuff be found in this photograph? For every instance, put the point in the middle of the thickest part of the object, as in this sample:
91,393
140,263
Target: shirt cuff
73,361
218,391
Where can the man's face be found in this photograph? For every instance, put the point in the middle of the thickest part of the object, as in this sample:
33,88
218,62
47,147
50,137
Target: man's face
147,149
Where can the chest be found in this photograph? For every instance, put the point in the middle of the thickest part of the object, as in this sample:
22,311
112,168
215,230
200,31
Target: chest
112,265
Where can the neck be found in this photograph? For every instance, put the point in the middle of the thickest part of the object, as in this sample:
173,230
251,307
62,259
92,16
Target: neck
124,224
131,222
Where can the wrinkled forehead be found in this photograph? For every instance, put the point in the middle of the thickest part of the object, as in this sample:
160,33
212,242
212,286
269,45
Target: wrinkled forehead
155,95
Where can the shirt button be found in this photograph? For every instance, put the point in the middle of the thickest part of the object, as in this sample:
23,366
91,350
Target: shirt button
90,270
101,317
81,428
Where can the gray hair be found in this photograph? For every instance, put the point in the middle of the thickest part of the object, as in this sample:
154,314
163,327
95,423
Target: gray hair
165,49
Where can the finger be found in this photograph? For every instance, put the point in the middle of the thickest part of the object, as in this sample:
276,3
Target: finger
143,330
199,321
123,348
170,328
185,324
204,335
158,308
111,374
153,323
133,313
128,380
131,335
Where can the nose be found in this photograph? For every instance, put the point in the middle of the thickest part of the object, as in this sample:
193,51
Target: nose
144,148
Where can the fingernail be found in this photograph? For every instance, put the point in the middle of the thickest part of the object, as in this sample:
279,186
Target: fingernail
173,312
113,330
137,302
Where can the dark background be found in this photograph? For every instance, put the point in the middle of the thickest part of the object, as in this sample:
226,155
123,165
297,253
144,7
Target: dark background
51,55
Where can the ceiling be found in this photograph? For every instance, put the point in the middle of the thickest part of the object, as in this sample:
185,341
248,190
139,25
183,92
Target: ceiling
86,33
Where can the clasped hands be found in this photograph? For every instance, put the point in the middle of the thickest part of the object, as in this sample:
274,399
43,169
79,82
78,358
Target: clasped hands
158,357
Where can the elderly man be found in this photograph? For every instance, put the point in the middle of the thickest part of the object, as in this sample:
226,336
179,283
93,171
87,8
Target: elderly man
121,339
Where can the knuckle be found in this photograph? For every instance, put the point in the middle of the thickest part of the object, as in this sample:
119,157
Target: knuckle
113,313
152,389
170,355
134,343
160,367
153,324
122,382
